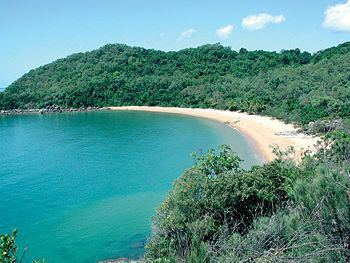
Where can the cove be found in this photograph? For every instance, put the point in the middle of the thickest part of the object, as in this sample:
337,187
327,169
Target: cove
82,187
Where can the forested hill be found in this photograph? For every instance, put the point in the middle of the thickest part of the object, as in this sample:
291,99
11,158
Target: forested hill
292,85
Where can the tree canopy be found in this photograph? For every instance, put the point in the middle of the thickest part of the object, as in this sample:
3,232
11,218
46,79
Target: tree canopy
292,85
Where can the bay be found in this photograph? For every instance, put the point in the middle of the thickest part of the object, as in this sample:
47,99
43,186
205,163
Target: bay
82,187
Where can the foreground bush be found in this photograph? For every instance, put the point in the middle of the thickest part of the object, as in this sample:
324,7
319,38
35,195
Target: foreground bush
314,228
9,249
278,212
215,198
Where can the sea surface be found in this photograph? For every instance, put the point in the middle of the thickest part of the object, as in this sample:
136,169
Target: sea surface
82,187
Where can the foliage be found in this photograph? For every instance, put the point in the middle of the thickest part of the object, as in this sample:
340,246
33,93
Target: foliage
337,146
292,85
216,197
278,212
315,227
213,165
9,249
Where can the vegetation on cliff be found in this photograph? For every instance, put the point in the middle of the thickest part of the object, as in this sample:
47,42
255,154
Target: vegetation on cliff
278,212
292,85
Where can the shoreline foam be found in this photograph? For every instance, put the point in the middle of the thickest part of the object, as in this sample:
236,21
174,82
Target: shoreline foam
262,131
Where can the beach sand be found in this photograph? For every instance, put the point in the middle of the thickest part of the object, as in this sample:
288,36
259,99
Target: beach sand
263,132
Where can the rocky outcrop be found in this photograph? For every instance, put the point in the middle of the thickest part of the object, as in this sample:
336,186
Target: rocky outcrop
120,260
324,126
50,109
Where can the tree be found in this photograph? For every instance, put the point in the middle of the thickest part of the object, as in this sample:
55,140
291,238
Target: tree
9,249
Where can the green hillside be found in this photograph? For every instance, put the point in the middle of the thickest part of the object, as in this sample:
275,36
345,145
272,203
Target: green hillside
292,85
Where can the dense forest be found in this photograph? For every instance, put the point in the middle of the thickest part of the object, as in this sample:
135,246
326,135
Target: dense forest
281,211
292,85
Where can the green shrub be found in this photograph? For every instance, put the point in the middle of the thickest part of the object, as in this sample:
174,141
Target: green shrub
315,227
9,249
215,198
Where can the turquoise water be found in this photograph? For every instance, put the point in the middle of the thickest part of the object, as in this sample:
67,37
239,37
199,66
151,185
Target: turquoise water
82,187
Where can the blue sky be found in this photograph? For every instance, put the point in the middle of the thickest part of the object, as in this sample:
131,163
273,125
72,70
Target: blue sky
33,32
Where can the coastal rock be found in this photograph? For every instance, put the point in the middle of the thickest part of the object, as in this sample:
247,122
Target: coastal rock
324,126
49,109
119,260
287,133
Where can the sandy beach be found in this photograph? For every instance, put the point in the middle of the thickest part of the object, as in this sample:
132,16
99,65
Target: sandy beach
262,131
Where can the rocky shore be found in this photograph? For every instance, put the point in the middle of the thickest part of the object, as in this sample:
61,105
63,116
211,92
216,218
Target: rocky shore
120,260
50,109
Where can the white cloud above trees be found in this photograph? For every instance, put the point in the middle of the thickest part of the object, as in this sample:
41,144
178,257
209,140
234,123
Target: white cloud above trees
337,17
259,21
225,31
186,34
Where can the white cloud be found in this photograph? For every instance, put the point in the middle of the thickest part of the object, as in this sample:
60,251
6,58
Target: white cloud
224,32
256,22
186,34
337,17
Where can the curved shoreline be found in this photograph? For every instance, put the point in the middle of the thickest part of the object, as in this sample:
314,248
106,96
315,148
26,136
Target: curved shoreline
263,131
